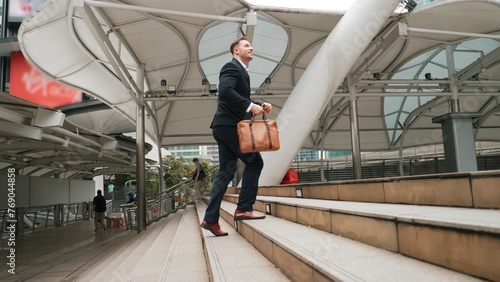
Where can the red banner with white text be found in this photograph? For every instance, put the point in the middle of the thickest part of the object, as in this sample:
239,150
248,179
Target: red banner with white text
29,84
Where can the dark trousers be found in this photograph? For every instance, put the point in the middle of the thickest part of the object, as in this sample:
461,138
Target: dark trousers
229,152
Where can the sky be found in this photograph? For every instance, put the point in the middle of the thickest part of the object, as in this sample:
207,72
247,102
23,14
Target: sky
309,4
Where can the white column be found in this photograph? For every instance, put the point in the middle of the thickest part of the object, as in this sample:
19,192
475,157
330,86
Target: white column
329,67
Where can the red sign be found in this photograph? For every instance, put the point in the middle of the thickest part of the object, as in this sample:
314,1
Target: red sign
29,84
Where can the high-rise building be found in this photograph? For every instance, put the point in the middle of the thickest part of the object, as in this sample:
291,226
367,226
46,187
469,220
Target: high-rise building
186,152
206,152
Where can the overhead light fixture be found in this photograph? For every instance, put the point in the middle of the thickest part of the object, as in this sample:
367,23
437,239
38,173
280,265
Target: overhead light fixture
212,89
163,82
204,82
428,76
171,90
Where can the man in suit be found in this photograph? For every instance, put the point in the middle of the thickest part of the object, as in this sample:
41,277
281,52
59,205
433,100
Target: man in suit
234,105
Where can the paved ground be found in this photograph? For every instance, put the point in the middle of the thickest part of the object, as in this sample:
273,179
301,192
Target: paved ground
60,254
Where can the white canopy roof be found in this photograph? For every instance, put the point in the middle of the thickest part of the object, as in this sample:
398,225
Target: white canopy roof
99,49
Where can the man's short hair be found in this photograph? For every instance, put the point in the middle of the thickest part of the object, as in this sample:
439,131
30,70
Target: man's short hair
99,192
195,160
236,42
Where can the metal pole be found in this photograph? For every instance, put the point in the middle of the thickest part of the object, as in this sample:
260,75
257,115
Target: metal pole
450,61
140,155
160,176
326,71
356,150
163,11
5,18
4,61
447,32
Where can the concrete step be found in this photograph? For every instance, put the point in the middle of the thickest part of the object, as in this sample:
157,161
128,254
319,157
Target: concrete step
119,265
471,189
465,240
169,250
232,258
184,261
307,254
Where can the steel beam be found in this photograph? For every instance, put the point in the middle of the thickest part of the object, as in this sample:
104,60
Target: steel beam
162,11
160,160
140,155
457,33
355,142
450,63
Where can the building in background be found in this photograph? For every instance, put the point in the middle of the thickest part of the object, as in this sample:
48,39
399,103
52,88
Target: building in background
188,153
312,155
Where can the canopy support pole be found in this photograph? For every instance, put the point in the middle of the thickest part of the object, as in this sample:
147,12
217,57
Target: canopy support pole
355,142
140,155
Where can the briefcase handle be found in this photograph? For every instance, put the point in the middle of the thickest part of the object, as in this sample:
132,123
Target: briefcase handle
264,117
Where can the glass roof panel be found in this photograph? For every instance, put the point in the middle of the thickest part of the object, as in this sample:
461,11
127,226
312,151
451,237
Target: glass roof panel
270,42
434,62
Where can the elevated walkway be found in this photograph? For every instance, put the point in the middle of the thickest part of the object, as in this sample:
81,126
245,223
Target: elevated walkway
439,228
62,253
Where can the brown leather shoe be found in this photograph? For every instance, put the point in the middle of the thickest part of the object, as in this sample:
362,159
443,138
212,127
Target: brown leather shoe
214,228
248,215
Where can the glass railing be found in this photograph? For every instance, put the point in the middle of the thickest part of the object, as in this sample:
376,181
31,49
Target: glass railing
36,218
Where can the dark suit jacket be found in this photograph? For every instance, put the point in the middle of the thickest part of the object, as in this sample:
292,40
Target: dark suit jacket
234,95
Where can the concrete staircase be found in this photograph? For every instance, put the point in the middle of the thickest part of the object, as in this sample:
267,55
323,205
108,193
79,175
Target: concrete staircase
443,228
232,258
439,228
169,250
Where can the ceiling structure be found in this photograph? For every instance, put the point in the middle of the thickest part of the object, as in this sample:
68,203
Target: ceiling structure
37,141
98,46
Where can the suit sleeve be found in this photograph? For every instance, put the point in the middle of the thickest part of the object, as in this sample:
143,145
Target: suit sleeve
228,79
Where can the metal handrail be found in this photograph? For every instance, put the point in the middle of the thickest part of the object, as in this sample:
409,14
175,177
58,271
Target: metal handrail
166,202
379,168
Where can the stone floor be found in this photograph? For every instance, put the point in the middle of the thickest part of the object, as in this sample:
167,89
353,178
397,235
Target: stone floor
60,254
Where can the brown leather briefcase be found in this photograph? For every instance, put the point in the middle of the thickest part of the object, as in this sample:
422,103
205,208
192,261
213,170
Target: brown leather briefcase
258,135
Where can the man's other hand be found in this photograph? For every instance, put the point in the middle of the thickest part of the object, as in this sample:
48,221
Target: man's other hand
257,110
268,107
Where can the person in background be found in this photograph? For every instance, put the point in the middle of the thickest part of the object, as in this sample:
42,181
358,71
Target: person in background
132,197
99,207
198,176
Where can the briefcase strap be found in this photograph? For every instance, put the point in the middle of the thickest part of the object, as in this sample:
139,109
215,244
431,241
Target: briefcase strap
264,117
268,135
252,137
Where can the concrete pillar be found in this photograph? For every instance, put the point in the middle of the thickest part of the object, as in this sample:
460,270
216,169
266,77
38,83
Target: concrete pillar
141,155
333,61
458,140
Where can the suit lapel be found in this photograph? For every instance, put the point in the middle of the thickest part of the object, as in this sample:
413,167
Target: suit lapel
243,70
